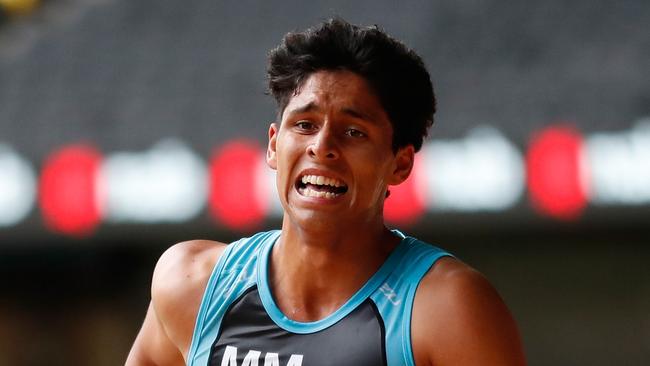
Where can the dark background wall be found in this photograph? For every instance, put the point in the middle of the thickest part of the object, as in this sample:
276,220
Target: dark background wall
126,74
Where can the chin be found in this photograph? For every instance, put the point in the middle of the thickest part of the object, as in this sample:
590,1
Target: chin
314,220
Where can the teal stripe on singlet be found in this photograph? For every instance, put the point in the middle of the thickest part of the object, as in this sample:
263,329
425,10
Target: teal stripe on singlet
234,273
394,298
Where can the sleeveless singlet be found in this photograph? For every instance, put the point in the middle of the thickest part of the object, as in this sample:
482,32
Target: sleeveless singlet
239,324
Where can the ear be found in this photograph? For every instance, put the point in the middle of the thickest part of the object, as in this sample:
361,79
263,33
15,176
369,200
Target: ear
404,159
271,159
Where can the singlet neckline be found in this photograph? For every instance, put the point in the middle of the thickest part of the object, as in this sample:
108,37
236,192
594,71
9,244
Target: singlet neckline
290,325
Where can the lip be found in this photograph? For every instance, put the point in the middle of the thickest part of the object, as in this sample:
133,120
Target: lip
321,172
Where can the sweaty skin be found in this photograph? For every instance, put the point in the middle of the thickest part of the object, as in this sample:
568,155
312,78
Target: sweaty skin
335,127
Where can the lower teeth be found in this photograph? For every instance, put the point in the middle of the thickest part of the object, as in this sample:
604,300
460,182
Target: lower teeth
312,193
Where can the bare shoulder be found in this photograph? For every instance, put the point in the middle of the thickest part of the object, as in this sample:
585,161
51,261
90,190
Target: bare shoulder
178,284
179,280
460,319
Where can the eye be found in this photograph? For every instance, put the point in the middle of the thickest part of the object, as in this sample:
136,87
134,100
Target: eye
353,132
305,125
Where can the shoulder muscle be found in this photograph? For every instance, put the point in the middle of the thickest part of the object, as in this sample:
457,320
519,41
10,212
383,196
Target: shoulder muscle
179,281
460,319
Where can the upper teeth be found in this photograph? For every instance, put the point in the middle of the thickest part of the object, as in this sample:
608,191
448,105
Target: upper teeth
320,180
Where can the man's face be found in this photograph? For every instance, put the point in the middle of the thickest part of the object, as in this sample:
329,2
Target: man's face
333,152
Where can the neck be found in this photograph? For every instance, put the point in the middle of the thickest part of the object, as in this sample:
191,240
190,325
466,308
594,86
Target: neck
313,272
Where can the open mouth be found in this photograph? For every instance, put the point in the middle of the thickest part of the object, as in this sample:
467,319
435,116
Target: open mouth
320,186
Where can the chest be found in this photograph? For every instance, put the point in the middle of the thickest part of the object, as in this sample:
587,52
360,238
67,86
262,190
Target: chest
249,337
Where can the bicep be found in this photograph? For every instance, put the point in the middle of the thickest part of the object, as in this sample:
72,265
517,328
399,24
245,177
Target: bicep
152,346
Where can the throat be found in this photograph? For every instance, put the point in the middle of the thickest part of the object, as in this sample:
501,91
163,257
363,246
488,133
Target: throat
309,303
309,285
312,292
313,276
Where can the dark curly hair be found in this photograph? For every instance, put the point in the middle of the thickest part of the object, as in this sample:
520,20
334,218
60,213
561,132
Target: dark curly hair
395,72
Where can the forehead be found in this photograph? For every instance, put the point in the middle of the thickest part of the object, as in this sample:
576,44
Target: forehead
336,91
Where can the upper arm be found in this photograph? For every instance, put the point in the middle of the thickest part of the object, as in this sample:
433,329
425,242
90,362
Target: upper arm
179,281
459,319
152,346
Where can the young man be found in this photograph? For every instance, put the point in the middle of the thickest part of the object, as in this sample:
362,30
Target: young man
334,286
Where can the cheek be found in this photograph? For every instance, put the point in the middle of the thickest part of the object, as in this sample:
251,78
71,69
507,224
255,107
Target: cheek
374,175
286,164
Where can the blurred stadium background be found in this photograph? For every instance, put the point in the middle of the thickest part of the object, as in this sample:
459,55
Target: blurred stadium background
127,126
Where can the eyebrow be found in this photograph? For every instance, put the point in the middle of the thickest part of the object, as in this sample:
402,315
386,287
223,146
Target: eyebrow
309,107
358,114
355,113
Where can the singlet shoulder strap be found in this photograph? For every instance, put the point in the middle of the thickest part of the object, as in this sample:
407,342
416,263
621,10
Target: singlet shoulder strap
394,299
233,274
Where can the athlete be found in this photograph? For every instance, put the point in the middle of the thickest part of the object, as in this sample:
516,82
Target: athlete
334,286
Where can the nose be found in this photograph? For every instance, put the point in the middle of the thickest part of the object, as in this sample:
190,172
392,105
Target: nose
323,145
